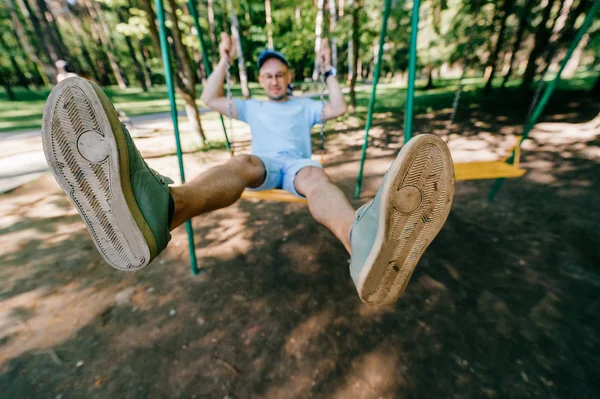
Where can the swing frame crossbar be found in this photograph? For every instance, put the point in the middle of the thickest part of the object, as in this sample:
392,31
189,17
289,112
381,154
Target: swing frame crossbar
500,170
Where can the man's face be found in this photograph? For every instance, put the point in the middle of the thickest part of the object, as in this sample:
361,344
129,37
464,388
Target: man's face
274,77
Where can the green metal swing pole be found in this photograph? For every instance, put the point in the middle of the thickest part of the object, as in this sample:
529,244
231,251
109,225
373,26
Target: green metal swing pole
382,35
169,79
548,92
412,63
207,67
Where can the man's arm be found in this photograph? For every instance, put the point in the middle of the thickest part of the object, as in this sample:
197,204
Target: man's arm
212,92
336,106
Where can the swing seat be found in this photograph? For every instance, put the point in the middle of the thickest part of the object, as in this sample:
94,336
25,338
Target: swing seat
277,194
491,169
486,170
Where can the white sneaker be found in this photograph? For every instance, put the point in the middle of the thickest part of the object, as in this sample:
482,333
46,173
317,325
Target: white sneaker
392,231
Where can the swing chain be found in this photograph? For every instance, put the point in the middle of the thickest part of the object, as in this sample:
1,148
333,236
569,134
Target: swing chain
322,132
459,89
229,100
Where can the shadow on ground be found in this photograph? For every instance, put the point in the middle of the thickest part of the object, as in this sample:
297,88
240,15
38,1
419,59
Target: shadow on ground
503,304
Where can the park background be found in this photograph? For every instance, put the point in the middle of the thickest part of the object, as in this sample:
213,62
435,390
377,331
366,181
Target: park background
503,304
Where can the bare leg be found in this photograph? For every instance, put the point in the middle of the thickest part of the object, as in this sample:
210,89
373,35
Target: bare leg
326,202
216,188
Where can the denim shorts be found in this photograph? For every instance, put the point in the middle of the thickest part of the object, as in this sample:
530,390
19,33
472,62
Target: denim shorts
281,171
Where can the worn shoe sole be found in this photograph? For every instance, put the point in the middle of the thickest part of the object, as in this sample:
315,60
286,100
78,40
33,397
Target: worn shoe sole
416,200
89,161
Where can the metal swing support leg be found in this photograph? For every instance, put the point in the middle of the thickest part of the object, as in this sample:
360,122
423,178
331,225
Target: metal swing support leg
382,35
412,66
169,80
548,92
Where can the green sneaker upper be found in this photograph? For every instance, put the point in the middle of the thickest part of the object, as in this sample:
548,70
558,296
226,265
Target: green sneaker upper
146,192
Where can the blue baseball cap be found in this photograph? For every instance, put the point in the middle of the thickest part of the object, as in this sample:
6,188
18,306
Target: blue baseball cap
267,54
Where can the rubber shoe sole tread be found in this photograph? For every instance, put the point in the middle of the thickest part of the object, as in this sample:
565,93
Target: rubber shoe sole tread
89,161
417,198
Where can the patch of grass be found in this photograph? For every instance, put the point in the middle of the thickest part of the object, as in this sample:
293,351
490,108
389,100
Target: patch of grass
26,113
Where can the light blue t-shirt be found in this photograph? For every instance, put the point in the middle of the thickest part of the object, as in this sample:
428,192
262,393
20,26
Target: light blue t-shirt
280,128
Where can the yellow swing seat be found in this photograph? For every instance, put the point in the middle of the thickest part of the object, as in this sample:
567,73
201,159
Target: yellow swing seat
462,171
486,170
272,195
491,169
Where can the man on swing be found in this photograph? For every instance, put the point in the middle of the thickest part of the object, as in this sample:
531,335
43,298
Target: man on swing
129,209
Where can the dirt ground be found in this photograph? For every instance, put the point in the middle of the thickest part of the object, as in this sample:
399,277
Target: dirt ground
503,304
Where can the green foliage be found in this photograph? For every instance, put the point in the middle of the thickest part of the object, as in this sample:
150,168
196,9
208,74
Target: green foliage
451,33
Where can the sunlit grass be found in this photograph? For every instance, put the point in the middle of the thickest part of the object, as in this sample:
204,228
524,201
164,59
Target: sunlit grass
26,113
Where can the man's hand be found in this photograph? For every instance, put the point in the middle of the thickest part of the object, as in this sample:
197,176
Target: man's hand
226,47
324,56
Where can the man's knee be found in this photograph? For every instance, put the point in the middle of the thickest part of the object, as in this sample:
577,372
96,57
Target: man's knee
310,178
245,162
248,166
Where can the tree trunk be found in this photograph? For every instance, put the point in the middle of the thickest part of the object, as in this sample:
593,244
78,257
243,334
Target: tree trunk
26,44
103,33
518,39
81,37
563,30
241,63
200,71
115,50
351,69
556,26
9,93
186,83
100,57
429,72
211,33
17,72
507,9
39,28
137,67
197,63
7,86
542,36
49,22
53,37
49,56
101,60
145,58
568,33
318,32
332,26
353,63
573,63
269,24
151,17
